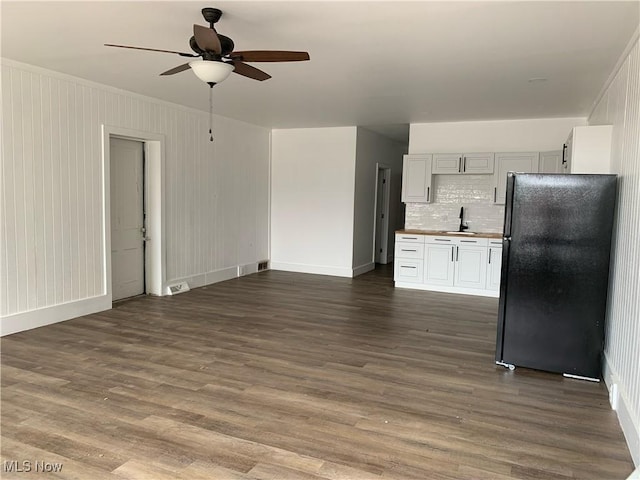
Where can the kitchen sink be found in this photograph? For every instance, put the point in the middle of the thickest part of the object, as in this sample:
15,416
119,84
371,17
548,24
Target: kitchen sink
460,233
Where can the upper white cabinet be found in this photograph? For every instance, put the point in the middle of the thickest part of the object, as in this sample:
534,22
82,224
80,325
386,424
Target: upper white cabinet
447,163
552,162
588,149
476,163
462,163
523,162
416,178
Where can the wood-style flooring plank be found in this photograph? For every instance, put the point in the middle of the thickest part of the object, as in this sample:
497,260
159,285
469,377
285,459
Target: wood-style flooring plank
291,376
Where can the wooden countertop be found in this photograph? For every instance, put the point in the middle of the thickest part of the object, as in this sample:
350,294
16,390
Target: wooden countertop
441,233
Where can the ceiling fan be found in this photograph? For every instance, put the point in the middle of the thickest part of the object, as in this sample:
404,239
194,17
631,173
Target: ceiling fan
218,59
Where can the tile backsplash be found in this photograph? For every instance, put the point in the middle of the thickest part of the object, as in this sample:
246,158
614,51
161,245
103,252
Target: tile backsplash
473,192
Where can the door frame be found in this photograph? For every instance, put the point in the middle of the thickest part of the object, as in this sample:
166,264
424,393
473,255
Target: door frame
154,168
386,169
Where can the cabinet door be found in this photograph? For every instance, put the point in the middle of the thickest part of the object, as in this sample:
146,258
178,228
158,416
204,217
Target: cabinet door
438,261
551,162
416,179
494,267
476,163
447,163
526,162
471,266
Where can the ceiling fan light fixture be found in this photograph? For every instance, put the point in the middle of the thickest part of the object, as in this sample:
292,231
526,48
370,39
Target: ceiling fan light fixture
211,71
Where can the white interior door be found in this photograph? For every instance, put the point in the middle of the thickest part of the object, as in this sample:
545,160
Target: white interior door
382,215
127,218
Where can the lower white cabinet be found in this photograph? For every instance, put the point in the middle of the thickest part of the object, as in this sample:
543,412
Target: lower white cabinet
408,260
494,265
449,264
438,261
471,265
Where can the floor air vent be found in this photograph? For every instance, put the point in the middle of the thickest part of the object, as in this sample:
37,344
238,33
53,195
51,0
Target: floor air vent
177,288
263,265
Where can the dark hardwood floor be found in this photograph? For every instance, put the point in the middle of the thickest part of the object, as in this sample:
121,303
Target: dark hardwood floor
291,376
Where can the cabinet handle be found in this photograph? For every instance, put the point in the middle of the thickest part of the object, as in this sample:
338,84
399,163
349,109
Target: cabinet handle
468,241
442,240
405,250
428,194
459,164
452,248
464,165
495,194
407,266
457,253
409,238
489,256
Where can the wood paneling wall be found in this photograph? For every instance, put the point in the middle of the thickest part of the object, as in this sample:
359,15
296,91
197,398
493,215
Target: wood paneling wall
620,107
52,243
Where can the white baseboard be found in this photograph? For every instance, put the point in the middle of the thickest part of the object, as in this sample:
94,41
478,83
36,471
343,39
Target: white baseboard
216,276
247,269
367,267
316,269
19,322
620,402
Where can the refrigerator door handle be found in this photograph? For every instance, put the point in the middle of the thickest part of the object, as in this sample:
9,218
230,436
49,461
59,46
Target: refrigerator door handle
508,203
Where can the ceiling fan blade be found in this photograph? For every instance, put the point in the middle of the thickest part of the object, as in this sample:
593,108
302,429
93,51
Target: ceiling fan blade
151,50
178,69
249,71
269,56
207,39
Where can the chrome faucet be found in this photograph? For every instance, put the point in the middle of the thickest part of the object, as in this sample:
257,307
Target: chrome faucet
463,226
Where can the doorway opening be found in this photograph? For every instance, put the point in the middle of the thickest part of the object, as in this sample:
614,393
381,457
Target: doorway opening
381,224
133,213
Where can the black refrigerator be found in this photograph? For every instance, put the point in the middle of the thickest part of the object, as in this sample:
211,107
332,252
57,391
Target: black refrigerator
555,272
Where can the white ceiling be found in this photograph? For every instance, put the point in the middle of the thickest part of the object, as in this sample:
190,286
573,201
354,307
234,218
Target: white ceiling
372,63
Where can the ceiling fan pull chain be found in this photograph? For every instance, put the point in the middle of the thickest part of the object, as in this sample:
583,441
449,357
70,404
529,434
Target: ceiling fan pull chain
210,113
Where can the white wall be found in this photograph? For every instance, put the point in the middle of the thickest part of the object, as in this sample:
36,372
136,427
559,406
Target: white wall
475,192
620,107
52,243
371,149
312,193
531,135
